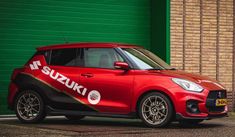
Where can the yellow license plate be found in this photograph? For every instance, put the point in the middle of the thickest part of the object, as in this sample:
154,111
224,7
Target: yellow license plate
221,102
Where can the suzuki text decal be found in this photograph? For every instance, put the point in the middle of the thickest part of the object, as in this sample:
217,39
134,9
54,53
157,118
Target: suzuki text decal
93,96
35,65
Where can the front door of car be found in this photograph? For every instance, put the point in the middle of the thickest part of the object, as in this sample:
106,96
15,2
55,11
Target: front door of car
109,89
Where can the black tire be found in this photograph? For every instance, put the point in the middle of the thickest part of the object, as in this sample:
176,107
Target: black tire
74,118
190,122
35,102
166,106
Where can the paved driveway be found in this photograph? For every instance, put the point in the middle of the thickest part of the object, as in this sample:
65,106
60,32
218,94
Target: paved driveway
59,126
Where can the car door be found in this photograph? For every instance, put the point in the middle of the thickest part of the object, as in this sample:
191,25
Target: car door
65,66
109,89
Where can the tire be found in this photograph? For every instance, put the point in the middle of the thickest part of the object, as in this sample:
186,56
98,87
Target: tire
155,110
188,122
29,107
74,118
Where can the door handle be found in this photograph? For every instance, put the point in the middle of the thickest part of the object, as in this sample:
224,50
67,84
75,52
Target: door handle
87,75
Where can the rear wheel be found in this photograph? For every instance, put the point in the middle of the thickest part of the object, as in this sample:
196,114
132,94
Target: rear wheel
155,110
74,118
29,107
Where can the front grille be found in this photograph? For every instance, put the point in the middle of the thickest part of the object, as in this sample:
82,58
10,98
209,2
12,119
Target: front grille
216,109
217,94
211,100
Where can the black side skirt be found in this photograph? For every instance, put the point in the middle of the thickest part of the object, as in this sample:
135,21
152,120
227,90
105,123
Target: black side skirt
52,111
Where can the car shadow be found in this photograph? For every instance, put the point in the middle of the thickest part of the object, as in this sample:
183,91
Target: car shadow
118,122
112,123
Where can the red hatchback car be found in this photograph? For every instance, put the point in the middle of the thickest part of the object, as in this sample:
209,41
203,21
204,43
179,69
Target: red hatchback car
113,80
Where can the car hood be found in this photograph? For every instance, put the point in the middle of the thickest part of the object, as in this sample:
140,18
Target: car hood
204,81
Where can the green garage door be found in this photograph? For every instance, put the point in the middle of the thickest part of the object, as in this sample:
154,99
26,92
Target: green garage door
27,24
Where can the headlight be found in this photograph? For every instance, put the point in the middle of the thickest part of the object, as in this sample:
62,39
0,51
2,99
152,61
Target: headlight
187,85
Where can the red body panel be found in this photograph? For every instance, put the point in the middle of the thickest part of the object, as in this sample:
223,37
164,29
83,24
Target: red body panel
115,87
120,90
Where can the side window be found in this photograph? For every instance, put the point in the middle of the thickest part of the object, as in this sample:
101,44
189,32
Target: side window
45,53
101,57
63,57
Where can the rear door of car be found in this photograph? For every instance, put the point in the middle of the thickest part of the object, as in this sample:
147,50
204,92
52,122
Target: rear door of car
65,71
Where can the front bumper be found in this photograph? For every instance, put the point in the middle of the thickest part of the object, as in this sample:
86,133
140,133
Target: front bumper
181,117
205,104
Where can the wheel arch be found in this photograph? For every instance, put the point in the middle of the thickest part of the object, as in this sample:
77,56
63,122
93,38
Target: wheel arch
151,91
29,86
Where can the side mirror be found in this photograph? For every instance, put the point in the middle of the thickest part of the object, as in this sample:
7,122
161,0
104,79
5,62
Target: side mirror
121,65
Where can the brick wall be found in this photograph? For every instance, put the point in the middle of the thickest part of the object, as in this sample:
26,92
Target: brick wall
202,39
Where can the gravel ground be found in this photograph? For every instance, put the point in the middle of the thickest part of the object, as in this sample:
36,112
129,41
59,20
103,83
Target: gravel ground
60,127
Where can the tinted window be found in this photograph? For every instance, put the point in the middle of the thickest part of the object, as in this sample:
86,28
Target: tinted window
64,57
46,54
101,57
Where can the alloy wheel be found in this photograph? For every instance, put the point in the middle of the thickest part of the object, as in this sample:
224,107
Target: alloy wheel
29,107
154,110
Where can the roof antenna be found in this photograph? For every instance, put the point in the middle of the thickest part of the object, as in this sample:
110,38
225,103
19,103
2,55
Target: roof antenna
65,39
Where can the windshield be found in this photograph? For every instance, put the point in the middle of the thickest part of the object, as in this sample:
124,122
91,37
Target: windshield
145,59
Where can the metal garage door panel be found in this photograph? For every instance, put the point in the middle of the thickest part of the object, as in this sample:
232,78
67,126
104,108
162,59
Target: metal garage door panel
28,24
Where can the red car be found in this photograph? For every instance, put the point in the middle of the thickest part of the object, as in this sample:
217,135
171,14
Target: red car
113,80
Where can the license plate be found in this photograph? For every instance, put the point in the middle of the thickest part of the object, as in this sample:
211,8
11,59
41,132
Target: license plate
221,102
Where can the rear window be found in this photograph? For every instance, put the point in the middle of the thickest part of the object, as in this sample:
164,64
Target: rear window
46,55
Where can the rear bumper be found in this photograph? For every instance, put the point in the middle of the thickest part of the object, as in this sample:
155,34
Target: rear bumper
12,91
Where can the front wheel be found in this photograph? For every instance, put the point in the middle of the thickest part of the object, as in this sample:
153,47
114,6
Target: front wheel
29,107
155,110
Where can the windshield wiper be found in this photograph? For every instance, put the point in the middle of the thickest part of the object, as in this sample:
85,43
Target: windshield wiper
172,69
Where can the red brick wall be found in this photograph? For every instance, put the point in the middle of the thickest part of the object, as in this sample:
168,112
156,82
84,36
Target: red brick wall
202,39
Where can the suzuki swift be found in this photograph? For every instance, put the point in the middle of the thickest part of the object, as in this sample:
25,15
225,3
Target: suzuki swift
112,80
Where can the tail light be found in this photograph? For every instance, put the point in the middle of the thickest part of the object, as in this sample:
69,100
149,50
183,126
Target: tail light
15,72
